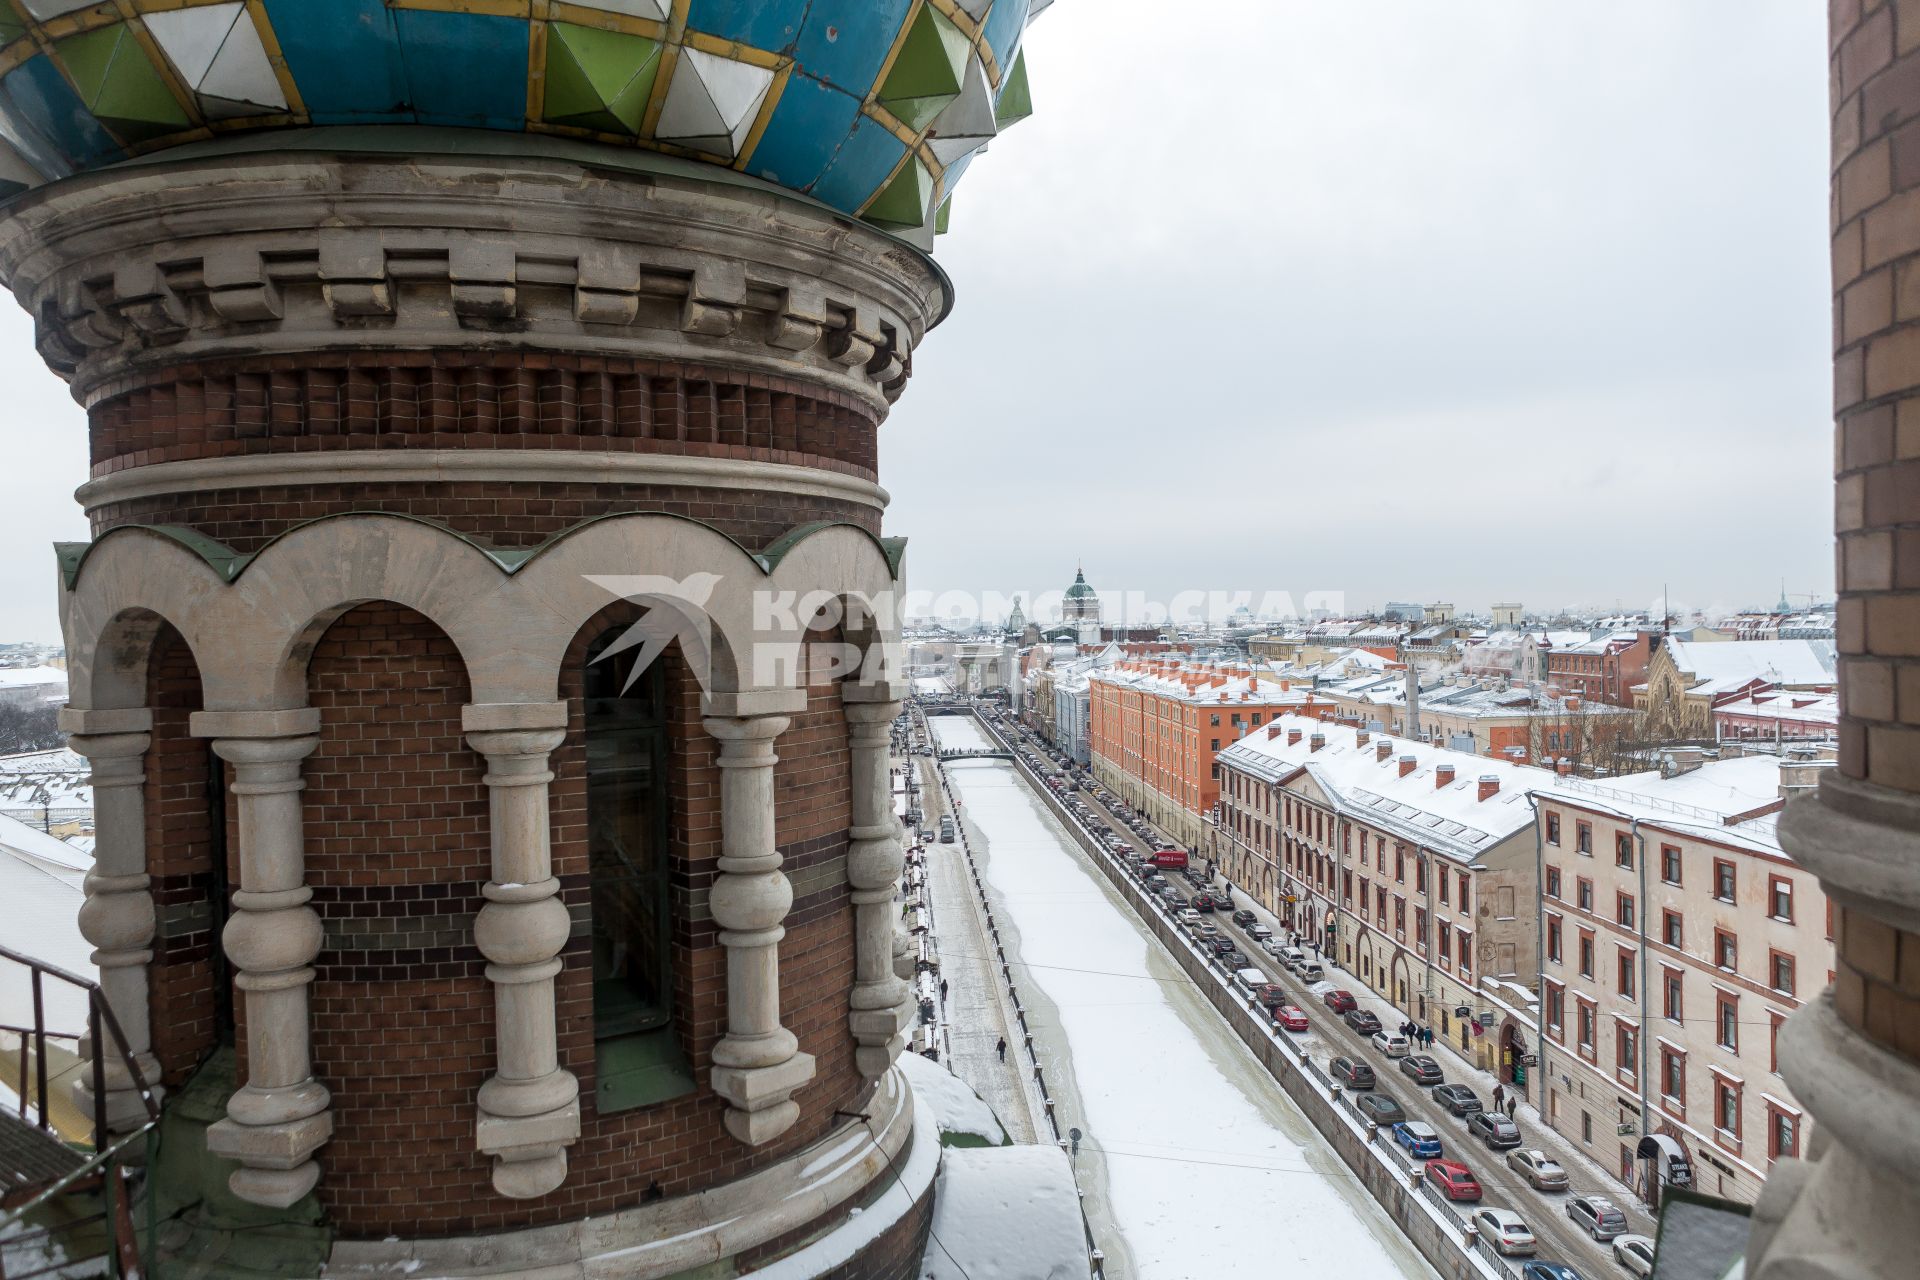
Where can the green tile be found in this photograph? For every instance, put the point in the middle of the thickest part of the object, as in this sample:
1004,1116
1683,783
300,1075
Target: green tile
943,216
903,202
120,84
640,1070
599,79
1015,103
929,72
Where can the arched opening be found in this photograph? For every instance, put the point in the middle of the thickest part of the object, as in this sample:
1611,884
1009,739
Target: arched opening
628,855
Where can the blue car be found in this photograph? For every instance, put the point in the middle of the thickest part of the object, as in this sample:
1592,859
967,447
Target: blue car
1421,1142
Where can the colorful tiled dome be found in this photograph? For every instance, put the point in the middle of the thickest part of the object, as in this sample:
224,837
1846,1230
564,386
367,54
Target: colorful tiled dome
874,107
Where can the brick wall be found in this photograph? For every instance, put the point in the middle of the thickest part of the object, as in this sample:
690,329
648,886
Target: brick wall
181,991
501,514
497,400
1875,97
397,848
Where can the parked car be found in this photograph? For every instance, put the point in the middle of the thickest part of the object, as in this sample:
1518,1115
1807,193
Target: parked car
1498,1132
1380,1108
1424,1070
1236,959
1538,1168
1635,1253
1292,957
1547,1271
1271,995
1419,1139
1363,1021
1458,1099
1259,933
1202,902
1340,1001
1598,1217
1274,949
1220,945
1351,1072
1291,1018
1506,1231
1453,1180
1208,930
1244,918
1391,1043
1311,972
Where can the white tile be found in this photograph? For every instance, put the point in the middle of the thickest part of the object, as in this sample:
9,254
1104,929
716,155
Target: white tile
191,38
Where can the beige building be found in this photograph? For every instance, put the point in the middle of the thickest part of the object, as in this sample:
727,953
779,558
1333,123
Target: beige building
1686,680
1413,866
1677,940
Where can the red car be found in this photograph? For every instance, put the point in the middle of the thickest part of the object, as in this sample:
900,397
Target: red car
1453,1180
1340,1001
1289,1018
1202,903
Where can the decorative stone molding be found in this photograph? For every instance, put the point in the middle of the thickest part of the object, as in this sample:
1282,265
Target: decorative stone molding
757,1065
290,253
874,862
406,466
118,915
530,1107
279,1117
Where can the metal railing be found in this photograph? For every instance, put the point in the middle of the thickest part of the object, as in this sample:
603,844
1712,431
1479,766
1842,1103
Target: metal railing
104,1169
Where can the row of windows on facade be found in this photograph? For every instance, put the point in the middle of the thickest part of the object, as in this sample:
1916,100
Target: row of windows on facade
1783,1136
1673,869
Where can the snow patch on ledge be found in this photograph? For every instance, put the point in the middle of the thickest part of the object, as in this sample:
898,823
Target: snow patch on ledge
954,1104
1006,1213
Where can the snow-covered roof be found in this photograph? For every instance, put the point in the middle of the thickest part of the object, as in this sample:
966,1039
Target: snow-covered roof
1005,1213
31,677
1451,819
41,878
1736,801
57,779
1785,704
1726,665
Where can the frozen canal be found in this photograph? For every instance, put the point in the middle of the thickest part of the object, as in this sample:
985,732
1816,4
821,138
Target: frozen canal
1207,1168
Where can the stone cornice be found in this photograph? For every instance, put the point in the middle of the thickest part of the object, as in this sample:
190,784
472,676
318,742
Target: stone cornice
401,466
147,266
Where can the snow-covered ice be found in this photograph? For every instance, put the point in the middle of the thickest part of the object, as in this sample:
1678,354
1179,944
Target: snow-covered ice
1208,1166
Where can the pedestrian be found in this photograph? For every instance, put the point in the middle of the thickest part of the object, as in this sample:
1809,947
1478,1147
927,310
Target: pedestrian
1426,1036
1002,1048
1499,1096
943,991
1512,1106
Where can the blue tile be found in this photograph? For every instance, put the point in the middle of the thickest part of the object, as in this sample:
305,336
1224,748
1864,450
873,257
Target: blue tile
42,108
809,123
863,163
752,22
1005,23
345,59
465,69
844,42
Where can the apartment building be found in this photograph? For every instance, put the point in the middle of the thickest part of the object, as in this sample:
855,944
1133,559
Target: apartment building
1677,937
1155,728
1412,866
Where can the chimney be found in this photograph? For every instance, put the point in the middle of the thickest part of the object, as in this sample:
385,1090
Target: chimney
1442,775
1316,742
1253,684
1360,738
1383,750
1407,764
1489,786
1564,766
1273,730
1293,736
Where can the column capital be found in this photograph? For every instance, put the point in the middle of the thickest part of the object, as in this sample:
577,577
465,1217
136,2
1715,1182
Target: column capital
506,717
852,691
753,704
105,724
284,722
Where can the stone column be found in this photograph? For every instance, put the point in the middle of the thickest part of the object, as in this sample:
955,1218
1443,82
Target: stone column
874,861
279,1117
530,1107
757,1065
117,917
1851,1205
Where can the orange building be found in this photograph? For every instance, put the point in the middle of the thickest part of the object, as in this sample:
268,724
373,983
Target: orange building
1156,727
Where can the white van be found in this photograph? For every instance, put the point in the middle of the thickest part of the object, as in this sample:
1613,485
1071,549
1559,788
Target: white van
1251,979
1310,972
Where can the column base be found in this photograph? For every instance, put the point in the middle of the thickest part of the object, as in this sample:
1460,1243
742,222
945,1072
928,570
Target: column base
760,1110
529,1152
277,1168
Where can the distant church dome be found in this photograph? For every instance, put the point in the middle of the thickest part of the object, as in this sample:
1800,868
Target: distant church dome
1079,589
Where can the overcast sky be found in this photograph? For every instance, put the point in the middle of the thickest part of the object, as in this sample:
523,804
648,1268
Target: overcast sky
1466,301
